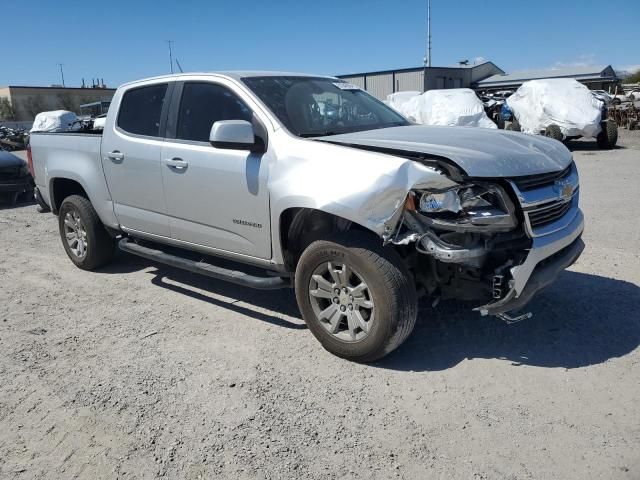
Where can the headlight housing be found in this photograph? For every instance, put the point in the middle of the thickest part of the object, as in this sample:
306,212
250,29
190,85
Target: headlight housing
474,207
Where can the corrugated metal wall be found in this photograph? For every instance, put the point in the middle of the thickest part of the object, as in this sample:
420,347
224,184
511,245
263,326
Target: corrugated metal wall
380,85
357,80
410,81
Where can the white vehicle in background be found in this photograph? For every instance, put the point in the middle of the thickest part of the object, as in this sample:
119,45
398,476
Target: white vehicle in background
456,107
623,97
99,121
602,96
562,109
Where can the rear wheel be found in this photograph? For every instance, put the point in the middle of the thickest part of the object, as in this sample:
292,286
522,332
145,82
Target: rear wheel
86,241
608,136
553,131
356,296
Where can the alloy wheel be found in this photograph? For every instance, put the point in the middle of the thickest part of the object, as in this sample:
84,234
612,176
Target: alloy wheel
342,301
75,234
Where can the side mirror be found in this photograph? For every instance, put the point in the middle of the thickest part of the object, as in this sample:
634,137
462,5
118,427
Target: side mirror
234,135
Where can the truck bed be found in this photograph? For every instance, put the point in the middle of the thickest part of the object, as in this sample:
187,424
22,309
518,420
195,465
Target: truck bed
72,156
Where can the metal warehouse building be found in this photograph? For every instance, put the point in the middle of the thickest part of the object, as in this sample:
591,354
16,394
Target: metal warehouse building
482,77
596,78
382,83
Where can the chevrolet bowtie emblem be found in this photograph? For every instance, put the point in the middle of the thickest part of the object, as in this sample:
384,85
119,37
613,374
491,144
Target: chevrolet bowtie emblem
564,189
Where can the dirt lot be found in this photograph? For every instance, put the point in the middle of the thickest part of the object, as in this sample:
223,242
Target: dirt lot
140,371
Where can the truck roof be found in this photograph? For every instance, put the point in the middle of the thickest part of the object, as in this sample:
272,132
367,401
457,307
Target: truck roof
233,74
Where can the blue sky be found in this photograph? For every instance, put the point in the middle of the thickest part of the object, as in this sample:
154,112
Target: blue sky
125,40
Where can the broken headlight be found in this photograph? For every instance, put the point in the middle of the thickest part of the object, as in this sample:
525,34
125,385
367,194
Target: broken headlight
474,207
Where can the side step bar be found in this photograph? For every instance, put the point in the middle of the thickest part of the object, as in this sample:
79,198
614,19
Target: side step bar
233,276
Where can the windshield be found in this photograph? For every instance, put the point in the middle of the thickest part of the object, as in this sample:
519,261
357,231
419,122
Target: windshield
313,107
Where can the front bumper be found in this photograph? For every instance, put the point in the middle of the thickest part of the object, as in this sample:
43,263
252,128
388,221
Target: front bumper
548,257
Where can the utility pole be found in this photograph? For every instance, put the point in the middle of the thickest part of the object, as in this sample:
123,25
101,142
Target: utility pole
61,73
428,62
170,55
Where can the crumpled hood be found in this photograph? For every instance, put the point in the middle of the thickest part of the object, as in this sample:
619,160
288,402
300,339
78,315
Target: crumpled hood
479,152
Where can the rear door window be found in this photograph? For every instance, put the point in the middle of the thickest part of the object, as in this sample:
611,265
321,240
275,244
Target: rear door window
202,105
141,110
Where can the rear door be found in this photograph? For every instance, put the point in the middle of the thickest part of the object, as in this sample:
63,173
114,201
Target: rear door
131,149
216,198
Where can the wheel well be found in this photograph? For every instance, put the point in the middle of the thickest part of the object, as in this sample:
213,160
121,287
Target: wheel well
299,227
61,188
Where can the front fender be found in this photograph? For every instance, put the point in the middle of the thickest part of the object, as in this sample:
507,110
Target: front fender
367,188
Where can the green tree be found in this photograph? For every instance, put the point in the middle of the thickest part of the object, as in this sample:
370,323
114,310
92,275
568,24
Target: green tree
67,102
7,112
35,104
633,78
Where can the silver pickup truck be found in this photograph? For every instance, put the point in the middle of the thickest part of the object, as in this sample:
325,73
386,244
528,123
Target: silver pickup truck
308,181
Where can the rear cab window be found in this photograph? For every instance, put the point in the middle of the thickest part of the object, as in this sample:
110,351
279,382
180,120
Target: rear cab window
141,110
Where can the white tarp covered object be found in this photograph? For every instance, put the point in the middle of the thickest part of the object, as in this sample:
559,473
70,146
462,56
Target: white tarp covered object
396,100
558,101
453,107
55,121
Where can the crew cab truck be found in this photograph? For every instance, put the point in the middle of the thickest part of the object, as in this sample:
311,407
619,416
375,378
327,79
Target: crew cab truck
313,183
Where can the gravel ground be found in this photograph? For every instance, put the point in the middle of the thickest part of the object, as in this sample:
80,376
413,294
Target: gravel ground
141,371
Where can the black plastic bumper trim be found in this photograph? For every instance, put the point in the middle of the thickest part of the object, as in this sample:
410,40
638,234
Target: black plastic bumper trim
541,277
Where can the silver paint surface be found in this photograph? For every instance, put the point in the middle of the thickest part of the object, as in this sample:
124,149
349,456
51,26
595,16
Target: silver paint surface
479,152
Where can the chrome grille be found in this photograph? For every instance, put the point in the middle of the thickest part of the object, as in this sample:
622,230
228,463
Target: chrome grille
547,213
530,182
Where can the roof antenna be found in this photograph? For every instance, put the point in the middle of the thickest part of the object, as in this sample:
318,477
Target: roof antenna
178,64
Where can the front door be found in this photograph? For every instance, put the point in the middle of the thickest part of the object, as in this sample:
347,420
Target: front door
215,198
131,152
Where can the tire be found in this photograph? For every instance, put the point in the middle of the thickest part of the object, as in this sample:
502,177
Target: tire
553,131
390,291
616,101
512,126
608,137
77,216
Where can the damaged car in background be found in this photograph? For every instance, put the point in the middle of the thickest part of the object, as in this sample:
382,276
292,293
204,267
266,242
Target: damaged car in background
311,182
15,179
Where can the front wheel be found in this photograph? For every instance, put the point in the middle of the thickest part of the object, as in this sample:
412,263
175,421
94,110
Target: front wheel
86,241
608,136
553,131
356,296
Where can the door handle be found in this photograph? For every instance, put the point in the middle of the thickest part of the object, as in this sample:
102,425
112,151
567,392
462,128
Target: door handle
176,163
115,155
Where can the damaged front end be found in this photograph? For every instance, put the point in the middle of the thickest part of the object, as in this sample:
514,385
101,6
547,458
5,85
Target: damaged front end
471,242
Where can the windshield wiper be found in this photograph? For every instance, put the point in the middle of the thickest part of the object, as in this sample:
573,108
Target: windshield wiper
318,134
